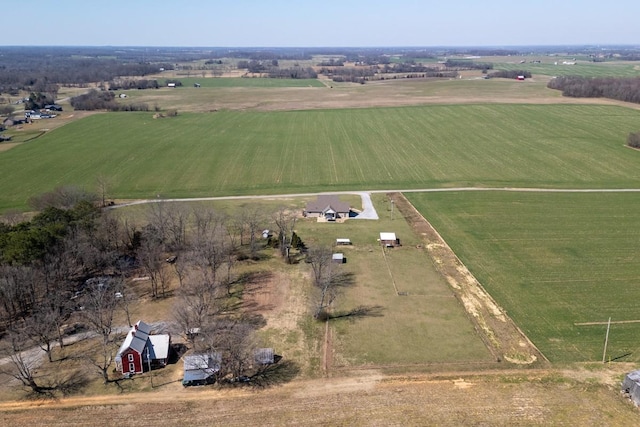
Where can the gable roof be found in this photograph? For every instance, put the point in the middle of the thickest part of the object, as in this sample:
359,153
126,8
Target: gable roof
326,202
137,339
159,346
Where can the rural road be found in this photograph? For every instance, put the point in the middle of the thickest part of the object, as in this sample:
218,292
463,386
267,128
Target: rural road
368,210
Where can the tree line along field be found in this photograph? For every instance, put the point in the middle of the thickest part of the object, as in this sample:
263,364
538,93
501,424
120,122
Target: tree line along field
552,261
236,153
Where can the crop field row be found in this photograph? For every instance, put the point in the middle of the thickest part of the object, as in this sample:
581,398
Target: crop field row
227,153
552,260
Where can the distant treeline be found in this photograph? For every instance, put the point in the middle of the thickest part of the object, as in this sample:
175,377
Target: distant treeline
103,100
125,84
622,89
510,74
272,70
464,64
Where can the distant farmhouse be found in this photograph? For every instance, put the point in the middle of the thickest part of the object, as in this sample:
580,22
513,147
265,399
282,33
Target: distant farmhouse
141,350
327,208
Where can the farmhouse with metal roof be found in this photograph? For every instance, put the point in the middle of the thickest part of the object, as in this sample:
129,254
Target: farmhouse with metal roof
141,350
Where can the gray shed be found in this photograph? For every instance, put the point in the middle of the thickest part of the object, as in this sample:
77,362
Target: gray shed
265,356
631,386
200,369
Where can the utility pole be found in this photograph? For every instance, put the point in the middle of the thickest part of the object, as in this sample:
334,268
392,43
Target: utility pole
149,364
606,341
391,209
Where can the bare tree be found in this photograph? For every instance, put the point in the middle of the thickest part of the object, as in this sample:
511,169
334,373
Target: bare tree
285,222
181,266
24,363
195,307
18,291
103,186
43,326
158,221
150,256
328,278
236,342
177,218
254,222
210,247
100,303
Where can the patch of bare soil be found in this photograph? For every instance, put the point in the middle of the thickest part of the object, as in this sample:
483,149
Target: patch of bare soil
272,295
499,333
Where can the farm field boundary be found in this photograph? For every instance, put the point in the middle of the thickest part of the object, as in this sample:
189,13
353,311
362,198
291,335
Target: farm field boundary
553,260
497,330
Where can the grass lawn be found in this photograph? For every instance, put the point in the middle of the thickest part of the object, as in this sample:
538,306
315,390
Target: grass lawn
551,260
234,153
426,325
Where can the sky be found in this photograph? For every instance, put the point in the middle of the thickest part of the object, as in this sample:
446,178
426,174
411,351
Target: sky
321,23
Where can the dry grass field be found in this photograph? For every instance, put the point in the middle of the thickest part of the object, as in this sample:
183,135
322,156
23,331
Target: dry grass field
366,398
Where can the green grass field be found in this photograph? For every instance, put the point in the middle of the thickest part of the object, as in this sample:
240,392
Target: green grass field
426,326
551,260
227,153
583,69
553,65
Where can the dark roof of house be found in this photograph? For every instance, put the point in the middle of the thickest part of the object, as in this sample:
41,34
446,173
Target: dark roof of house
326,202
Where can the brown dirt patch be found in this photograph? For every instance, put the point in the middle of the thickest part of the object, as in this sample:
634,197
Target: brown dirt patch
539,397
499,333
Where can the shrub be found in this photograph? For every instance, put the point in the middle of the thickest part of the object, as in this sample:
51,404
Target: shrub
633,140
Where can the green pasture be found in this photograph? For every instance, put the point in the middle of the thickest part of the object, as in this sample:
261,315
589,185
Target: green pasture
250,82
426,325
551,260
248,153
581,68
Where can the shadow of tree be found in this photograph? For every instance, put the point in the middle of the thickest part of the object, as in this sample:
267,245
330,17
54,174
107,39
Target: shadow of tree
278,373
359,312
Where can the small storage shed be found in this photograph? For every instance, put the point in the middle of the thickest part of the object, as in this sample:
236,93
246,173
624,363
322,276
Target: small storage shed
631,386
338,258
200,369
389,240
265,356
343,241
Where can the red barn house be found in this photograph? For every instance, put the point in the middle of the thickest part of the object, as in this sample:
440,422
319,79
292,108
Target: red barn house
140,350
